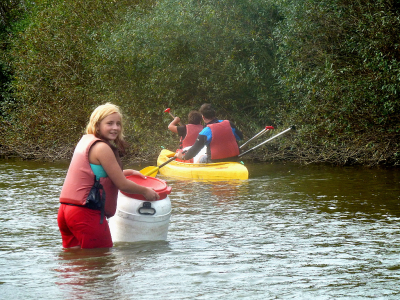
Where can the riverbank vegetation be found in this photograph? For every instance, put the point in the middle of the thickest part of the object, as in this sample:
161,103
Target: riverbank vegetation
330,67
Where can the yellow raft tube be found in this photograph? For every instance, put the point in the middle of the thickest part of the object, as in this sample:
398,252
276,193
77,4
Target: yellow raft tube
211,171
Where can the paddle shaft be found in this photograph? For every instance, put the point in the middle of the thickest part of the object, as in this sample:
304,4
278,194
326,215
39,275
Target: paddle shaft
255,147
256,136
155,169
167,162
173,117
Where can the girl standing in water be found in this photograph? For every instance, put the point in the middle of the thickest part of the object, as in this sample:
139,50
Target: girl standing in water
93,179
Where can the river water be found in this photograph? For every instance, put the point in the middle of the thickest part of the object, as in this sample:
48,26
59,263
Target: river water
289,232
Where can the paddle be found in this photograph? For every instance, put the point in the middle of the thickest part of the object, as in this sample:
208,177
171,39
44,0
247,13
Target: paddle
258,134
152,170
168,110
255,147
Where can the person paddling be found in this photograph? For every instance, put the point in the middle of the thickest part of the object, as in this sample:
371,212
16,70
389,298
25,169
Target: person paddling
188,133
220,137
95,175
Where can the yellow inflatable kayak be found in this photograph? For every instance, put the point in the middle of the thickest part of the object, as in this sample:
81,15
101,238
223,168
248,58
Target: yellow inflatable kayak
214,171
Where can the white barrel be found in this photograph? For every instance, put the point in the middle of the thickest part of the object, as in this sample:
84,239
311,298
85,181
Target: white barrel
140,220
137,219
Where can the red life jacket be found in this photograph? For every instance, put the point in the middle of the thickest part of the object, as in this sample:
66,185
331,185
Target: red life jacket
80,178
223,143
192,132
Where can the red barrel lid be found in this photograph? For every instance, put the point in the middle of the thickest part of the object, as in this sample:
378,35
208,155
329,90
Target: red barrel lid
159,186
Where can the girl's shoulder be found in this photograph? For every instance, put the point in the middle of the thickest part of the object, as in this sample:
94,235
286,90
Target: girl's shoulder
100,149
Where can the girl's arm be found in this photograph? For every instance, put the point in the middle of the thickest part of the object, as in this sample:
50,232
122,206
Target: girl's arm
101,154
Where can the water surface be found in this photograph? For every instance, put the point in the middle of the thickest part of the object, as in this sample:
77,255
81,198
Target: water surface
289,232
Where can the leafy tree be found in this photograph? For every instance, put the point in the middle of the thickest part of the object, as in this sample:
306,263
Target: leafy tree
51,60
338,71
74,55
11,12
185,53
329,66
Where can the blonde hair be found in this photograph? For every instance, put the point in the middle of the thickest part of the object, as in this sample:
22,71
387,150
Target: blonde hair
98,115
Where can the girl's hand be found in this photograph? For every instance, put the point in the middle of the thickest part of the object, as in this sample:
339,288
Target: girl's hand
129,172
150,194
134,172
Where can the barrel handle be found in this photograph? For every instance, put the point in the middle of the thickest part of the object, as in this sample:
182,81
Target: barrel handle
146,209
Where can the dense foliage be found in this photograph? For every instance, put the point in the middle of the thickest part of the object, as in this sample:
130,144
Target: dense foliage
182,54
339,74
329,66
9,12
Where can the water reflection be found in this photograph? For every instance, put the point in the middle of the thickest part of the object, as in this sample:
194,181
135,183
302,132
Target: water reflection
85,270
100,271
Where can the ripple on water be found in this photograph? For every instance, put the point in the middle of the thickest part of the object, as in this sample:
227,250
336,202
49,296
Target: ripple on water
289,232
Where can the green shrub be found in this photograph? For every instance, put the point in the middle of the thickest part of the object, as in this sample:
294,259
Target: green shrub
331,67
338,70
184,53
52,71
74,55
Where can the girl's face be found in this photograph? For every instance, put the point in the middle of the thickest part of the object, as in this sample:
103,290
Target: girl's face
110,127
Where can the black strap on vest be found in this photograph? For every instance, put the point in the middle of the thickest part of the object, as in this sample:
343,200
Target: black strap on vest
97,198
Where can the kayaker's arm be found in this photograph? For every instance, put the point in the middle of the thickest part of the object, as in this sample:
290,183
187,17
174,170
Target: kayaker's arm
197,146
174,124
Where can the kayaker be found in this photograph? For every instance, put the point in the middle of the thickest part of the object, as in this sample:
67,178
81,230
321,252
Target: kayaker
220,137
188,133
96,171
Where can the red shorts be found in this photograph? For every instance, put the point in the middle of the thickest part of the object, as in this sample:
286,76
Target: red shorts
80,226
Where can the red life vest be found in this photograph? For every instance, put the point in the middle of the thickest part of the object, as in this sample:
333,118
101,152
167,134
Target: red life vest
192,132
80,178
223,143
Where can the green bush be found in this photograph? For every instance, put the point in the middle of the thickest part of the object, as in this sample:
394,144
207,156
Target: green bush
331,67
52,74
74,55
11,12
338,70
184,53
